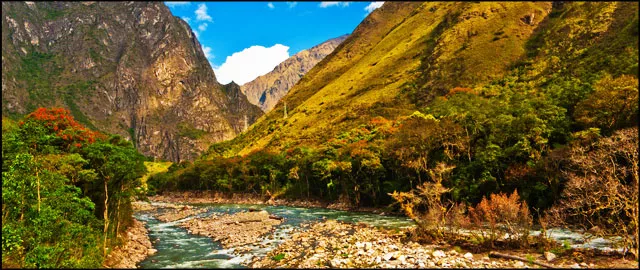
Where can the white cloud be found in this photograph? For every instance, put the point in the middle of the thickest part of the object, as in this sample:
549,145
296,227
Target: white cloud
326,4
270,5
202,27
201,13
373,6
195,32
292,4
176,3
246,65
186,19
207,52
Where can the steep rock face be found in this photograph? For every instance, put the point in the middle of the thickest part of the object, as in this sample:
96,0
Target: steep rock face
128,68
266,90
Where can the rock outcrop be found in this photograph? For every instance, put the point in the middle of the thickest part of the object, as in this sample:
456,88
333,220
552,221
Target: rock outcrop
128,68
266,90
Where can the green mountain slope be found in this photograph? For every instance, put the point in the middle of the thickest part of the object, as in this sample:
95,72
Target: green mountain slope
404,54
484,96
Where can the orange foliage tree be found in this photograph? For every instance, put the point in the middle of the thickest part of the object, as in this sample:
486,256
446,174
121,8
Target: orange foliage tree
60,123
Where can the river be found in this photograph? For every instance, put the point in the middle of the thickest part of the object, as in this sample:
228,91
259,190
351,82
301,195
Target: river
179,249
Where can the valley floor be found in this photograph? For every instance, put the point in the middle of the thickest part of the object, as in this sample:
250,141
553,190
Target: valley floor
335,244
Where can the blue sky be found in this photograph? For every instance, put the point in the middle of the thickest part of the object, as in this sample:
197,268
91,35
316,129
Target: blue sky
244,40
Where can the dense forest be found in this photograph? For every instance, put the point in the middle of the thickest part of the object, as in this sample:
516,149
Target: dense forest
66,191
500,138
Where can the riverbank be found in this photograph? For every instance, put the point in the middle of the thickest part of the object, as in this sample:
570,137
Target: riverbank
196,197
136,248
342,245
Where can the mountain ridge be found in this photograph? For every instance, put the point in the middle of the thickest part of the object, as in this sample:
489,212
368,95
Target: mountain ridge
128,68
266,90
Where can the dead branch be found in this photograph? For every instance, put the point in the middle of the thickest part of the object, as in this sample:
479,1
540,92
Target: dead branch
512,257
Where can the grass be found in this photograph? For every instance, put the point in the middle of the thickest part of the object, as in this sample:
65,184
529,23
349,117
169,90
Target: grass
153,168
278,257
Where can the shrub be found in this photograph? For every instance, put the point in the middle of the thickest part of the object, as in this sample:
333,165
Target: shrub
502,217
439,218
602,187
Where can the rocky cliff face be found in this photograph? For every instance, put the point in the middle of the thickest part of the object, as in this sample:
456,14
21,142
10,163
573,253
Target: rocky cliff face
128,68
266,90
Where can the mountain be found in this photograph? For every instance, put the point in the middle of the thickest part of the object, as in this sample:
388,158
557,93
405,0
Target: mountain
405,54
266,90
128,68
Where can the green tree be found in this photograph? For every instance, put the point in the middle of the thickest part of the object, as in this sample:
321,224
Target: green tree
613,104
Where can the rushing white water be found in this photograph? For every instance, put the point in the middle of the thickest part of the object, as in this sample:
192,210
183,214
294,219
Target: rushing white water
179,249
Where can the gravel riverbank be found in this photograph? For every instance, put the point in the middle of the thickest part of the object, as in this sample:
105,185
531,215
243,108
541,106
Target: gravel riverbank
233,230
136,248
332,244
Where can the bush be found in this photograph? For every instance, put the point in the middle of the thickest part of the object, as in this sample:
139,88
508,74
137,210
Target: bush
602,187
502,217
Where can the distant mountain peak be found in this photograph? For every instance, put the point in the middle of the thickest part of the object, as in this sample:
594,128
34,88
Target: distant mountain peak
266,90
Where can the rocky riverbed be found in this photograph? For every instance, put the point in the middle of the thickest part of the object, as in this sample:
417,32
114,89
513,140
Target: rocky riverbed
233,230
136,248
180,213
333,244
251,236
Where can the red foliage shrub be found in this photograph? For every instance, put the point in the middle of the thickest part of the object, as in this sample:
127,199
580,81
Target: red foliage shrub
504,217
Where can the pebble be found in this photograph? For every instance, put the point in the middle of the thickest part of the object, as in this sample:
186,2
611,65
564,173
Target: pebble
438,253
468,256
549,256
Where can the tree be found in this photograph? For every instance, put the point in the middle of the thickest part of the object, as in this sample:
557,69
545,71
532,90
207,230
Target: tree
118,164
613,104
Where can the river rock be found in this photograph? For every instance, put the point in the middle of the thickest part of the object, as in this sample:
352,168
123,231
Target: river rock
438,253
549,256
575,266
468,256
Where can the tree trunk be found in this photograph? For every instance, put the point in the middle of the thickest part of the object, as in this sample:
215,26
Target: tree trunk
118,212
38,184
511,257
106,217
